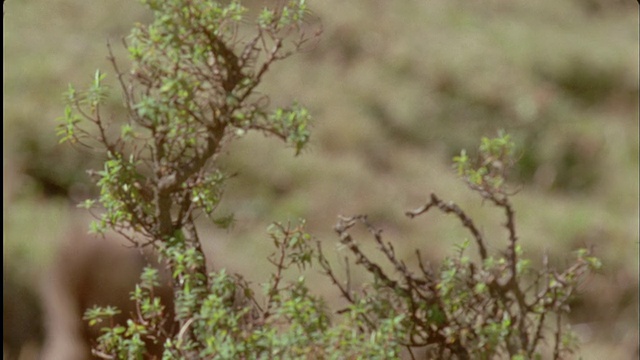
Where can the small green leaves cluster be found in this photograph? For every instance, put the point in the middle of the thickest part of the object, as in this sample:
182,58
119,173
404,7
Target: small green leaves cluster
490,169
293,124
90,100
293,13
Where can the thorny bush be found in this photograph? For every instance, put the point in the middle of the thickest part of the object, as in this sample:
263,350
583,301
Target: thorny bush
193,88
497,307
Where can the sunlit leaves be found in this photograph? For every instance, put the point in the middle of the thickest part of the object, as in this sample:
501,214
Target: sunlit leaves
97,92
293,125
67,130
97,315
593,262
93,97
208,192
461,162
121,193
490,169
291,14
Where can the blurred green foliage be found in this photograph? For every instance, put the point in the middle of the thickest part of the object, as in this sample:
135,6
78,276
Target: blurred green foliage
397,88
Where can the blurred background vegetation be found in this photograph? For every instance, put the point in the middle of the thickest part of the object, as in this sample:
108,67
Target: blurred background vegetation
396,89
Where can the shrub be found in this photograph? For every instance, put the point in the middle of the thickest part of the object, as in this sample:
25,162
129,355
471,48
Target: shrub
191,90
496,307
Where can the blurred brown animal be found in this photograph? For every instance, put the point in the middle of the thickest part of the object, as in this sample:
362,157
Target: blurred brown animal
92,271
